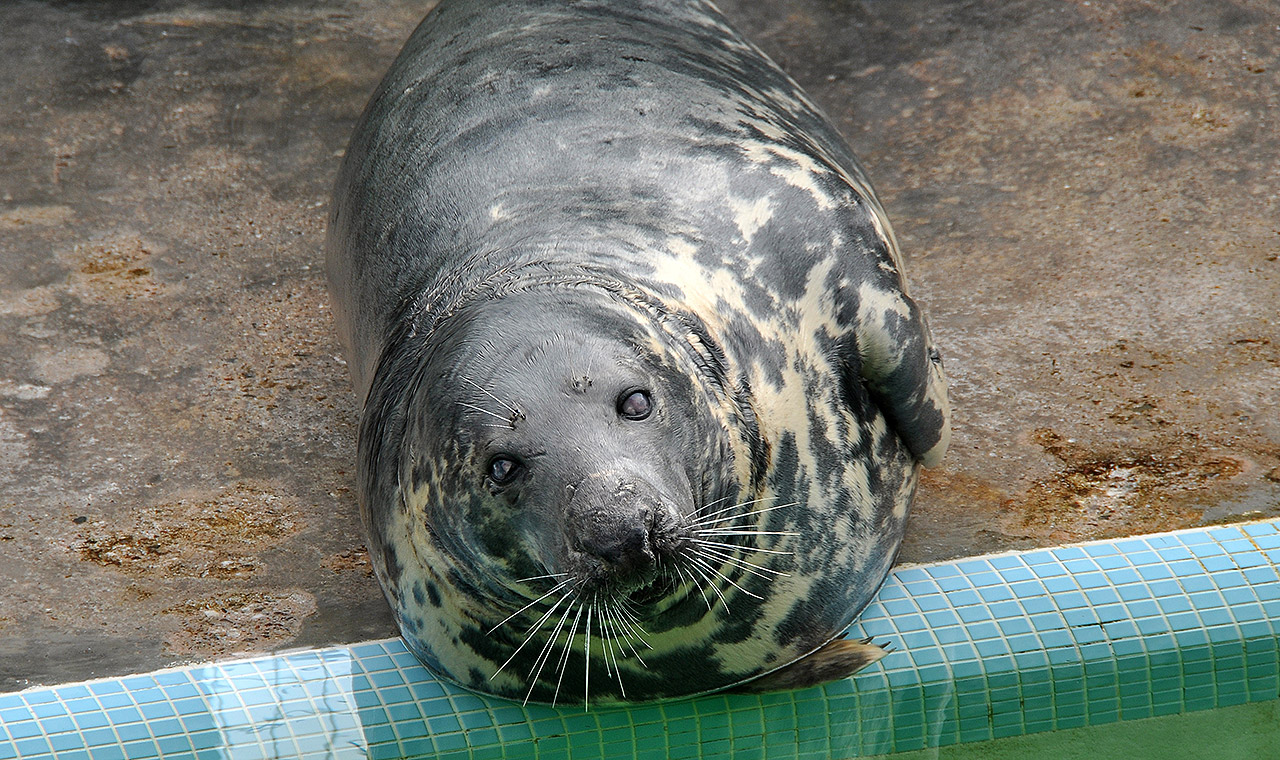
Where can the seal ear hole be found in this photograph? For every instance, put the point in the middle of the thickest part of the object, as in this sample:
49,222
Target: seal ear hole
503,469
635,404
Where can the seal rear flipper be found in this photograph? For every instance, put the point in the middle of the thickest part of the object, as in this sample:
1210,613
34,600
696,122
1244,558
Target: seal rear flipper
837,659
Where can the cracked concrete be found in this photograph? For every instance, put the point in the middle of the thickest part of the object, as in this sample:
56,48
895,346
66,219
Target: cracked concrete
1087,193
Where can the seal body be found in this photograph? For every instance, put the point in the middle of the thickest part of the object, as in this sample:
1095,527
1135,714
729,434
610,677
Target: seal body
644,395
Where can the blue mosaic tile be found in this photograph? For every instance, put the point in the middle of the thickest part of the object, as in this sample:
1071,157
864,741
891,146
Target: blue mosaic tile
993,646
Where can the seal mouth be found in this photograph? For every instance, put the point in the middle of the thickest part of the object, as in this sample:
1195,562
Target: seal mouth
660,588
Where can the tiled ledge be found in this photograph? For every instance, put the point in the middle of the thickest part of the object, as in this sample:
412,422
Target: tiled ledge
988,647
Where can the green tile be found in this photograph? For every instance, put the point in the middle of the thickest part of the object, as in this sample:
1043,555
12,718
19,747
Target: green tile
488,752
1102,717
975,735
518,732
1001,732
481,737
1135,708
978,710
1199,697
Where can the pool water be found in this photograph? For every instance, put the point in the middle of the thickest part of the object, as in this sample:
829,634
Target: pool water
1240,732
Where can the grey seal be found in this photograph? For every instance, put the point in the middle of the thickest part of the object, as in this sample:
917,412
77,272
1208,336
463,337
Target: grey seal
644,395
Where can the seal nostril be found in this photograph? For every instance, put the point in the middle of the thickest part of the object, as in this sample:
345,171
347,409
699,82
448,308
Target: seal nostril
627,550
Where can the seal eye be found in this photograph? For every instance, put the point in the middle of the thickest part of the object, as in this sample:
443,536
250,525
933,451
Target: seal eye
635,405
503,470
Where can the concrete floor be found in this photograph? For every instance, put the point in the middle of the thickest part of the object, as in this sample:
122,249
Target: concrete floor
1087,193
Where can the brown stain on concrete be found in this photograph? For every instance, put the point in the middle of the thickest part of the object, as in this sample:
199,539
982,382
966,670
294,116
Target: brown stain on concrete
116,269
1107,492
238,622
352,560
192,537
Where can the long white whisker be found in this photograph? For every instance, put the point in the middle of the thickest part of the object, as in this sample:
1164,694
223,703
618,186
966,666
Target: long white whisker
564,657
540,577
553,590
700,566
716,570
618,634
605,645
694,583
586,657
486,392
482,410
709,505
627,633
607,633
747,565
613,635
536,672
708,521
533,631
740,548
741,532
707,517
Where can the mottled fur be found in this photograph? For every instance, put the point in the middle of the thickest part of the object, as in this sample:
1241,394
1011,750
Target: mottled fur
546,203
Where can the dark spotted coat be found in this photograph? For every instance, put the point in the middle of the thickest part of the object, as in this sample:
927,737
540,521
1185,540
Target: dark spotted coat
643,156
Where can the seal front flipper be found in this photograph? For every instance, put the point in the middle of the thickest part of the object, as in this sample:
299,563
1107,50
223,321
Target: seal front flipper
834,660
901,368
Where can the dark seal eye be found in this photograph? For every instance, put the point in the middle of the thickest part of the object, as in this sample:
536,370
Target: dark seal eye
635,405
503,470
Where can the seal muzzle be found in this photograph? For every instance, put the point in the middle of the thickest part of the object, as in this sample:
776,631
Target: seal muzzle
615,532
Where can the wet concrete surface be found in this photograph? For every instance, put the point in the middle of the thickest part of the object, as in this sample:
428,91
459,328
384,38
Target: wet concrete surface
1087,193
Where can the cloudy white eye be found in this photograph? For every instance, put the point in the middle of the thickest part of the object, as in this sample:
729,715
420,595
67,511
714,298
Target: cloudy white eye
635,405
503,470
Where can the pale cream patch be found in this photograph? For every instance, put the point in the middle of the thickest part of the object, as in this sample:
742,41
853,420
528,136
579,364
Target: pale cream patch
28,303
71,363
791,166
23,391
35,216
750,215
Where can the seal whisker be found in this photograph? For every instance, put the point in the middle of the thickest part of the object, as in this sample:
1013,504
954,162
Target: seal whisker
625,637
482,410
694,583
554,589
605,644
735,532
533,631
564,656
710,504
539,577
632,625
705,542
707,521
488,393
608,634
707,517
586,656
694,557
536,671
747,565
701,566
